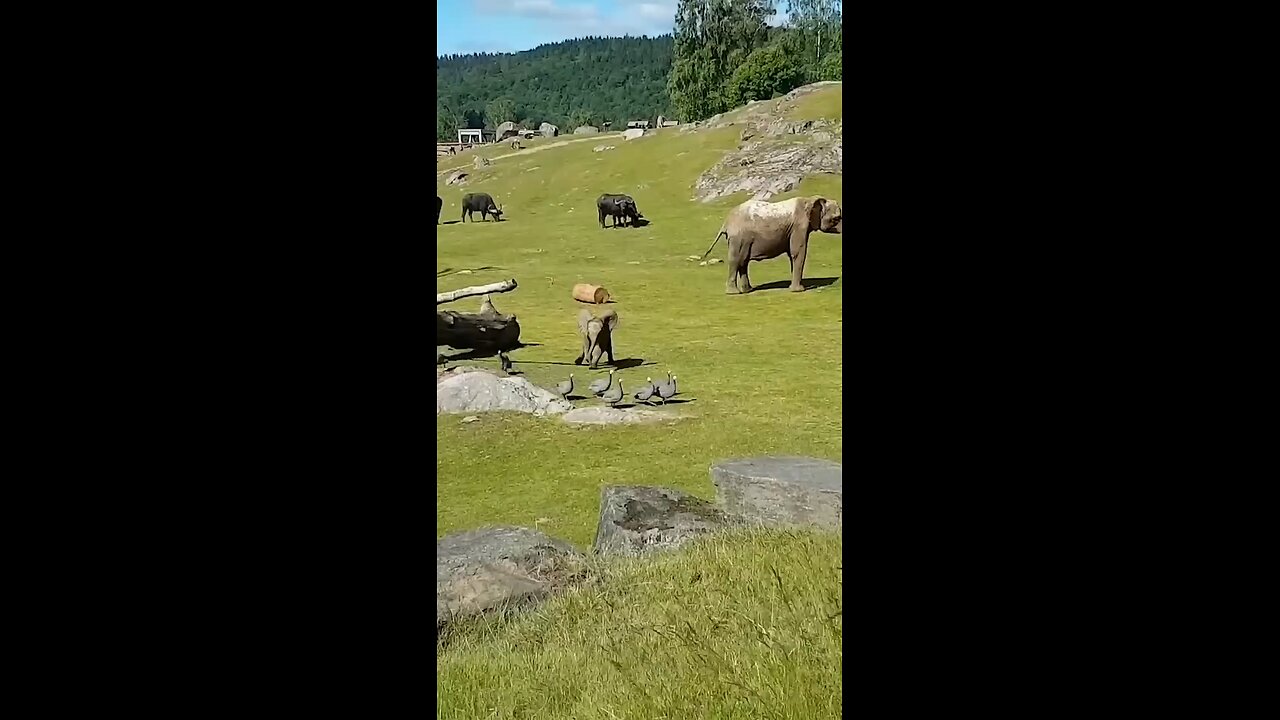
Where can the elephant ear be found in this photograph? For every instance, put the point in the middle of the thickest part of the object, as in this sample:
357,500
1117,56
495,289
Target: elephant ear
584,317
610,318
816,207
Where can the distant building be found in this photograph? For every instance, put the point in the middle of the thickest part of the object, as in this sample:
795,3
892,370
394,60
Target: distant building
475,136
638,124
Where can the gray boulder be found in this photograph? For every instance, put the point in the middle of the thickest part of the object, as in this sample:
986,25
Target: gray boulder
781,491
457,177
500,567
469,391
633,133
636,520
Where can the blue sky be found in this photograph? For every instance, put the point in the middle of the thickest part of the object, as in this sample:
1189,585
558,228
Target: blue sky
515,25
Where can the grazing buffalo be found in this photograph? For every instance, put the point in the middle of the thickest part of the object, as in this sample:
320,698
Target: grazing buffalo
480,203
439,204
617,206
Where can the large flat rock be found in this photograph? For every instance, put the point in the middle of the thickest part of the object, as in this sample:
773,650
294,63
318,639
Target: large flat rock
464,390
635,520
781,491
500,567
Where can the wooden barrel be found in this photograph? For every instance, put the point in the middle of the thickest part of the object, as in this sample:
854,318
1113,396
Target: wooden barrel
588,293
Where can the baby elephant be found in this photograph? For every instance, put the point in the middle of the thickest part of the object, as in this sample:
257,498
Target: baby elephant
597,336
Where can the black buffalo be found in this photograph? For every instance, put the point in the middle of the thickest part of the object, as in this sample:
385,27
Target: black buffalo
618,206
439,204
480,203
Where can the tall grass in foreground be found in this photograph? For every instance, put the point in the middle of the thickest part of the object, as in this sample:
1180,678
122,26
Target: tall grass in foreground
741,625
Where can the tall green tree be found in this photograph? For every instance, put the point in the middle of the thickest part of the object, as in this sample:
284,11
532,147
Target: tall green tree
578,118
767,71
712,37
499,111
819,23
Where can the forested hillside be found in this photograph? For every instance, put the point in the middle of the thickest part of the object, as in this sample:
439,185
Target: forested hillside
723,54
575,82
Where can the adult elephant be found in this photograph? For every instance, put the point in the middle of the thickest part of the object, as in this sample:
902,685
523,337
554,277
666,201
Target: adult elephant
760,230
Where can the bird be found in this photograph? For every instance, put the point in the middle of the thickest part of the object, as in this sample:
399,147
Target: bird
611,397
600,386
565,387
667,390
646,392
505,361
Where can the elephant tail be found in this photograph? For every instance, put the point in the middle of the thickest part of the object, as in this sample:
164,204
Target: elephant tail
713,242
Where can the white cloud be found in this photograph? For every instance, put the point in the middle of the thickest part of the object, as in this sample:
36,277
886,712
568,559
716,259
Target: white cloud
645,18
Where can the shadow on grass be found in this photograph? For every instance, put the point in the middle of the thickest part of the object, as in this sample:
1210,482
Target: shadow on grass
451,271
808,283
477,354
641,222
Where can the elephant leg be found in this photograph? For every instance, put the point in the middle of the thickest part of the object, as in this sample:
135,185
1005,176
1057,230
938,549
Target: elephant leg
735,267
744,282
595,357
797,266
586,351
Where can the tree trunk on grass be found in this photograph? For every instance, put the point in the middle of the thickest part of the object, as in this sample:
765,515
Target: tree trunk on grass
487,330
498,287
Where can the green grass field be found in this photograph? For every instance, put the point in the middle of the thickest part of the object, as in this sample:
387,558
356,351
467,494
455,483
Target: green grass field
761,373
738,626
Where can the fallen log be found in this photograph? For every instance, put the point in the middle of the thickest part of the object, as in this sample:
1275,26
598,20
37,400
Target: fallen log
487,330
498,287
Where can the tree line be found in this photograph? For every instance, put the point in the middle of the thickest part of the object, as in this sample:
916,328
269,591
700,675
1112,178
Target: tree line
723,54
586,81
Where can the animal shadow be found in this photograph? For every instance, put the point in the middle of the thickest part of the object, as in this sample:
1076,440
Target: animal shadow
629,363
450,222
640,222
808,283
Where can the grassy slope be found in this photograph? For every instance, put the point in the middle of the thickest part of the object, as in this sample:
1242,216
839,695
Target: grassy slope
710,632
739,626
762,372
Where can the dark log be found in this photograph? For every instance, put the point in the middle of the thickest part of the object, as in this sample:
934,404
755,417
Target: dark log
487,330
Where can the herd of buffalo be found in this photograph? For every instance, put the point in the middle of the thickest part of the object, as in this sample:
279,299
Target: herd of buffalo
619,207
